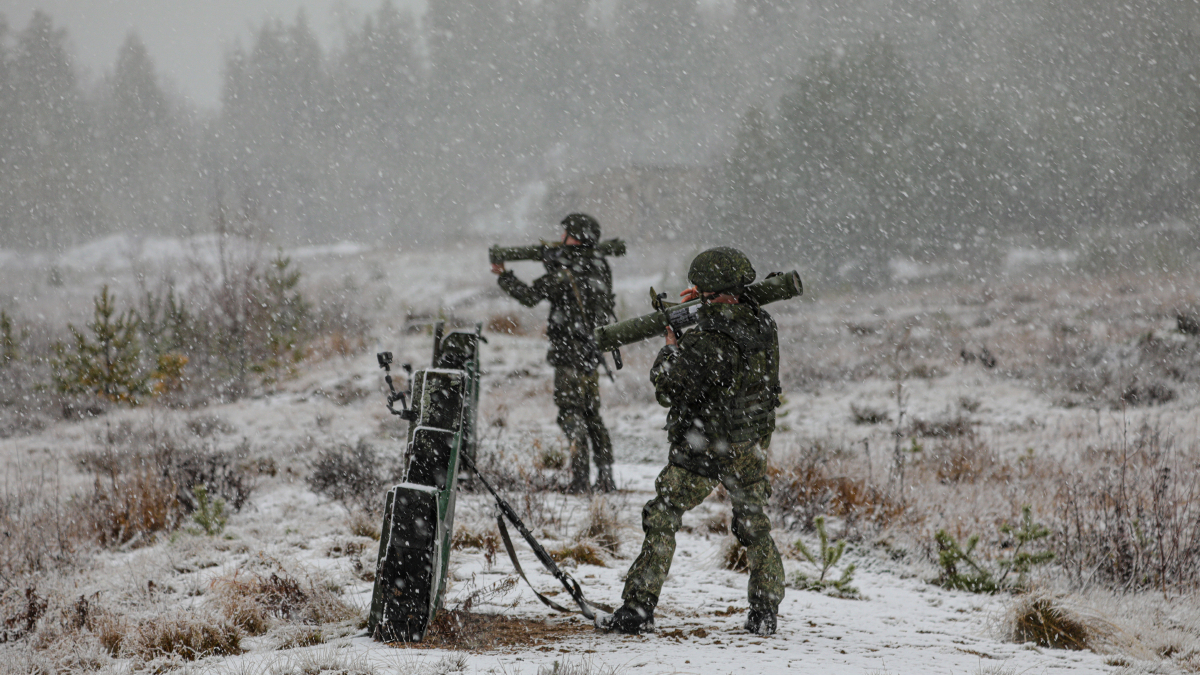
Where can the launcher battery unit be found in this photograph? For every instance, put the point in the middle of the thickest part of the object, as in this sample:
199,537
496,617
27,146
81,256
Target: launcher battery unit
418,520
678,316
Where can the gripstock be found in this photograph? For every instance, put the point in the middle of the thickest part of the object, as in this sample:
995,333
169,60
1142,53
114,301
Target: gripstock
774,288
545,251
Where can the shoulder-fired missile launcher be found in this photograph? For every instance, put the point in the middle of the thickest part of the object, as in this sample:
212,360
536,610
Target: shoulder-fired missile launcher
418,520
545,251
681,315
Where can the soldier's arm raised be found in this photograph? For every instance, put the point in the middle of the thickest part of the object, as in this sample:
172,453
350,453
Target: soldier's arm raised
520,291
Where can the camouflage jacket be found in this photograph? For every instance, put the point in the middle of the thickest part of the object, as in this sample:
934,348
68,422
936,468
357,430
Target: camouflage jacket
721,383
578,285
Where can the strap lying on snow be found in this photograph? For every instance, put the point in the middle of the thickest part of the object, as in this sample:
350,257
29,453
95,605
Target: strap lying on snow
586,607
512,555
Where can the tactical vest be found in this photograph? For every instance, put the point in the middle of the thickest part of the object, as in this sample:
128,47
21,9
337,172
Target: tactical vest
749,405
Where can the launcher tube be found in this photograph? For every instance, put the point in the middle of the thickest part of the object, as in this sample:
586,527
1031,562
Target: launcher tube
629,331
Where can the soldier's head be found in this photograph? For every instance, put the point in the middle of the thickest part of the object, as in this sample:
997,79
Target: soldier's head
582,228
721,271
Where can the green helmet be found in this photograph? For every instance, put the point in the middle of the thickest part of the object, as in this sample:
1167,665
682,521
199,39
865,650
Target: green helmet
721,269
582,227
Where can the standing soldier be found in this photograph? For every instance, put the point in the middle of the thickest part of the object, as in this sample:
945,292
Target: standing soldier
721,382
578,284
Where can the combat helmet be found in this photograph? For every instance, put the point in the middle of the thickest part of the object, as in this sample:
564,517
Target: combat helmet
582,227
721,270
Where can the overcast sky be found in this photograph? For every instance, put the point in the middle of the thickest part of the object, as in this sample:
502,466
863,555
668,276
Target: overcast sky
186,38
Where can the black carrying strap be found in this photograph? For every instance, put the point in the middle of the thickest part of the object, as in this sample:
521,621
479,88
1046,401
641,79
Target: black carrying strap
512,555
568,582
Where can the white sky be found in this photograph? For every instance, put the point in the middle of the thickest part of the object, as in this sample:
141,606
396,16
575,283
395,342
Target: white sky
186,38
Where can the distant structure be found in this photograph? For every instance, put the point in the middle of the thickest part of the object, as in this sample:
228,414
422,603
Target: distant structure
637,203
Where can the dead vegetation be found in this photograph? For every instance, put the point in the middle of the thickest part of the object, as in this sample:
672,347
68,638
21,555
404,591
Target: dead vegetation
817,479
463,628
603,525
1045,621
254,597
356,476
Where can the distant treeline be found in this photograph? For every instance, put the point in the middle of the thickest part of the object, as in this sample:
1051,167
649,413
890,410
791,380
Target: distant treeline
845,132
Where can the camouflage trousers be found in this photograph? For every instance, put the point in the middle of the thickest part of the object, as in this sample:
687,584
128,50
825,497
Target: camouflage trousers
577,395
679,490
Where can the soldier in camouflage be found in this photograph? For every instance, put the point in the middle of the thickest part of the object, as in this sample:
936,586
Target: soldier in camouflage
721,382
578,284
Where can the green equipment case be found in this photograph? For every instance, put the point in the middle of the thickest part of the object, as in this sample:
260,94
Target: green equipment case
418,520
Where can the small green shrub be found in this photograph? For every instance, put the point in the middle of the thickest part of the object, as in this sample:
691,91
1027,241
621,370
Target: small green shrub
828,556
209,513
962,571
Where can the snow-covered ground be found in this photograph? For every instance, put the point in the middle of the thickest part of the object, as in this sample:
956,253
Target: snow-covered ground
903,624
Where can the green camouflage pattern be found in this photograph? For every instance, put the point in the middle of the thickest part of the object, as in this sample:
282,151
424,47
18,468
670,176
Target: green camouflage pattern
678,490
721,383
721,269
577,395
578,284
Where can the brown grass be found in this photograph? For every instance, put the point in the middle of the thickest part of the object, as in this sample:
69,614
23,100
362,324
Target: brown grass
132,507
603,525
188,636
1043,621
507,324
488,542
582,552
804,488
733,557
252,599
364,524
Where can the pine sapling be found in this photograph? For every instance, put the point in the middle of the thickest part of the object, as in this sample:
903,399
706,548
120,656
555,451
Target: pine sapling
210,513
1022,561
951,554
825,559
108,362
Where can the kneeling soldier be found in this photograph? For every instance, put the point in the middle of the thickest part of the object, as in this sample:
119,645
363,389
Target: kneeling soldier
721,382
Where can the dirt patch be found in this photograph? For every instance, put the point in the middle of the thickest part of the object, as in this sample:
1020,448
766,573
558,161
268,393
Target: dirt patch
494,632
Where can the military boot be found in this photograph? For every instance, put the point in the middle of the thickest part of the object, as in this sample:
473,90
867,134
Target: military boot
761,621
604,478
628,619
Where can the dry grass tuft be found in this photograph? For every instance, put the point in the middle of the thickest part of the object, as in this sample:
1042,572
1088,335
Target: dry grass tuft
717,523
251,599
1044,621
603,525
131,508
582,667
187,636
364,524
308,637
325,660
733,556
582,552
488,542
